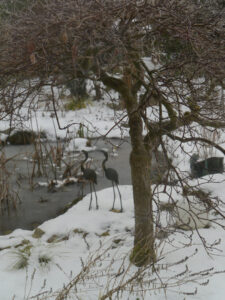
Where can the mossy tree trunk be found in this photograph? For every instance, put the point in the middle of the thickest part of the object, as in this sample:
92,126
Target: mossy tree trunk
143,252
140,162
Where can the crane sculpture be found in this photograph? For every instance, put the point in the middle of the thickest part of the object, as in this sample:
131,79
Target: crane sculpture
91,176
112,175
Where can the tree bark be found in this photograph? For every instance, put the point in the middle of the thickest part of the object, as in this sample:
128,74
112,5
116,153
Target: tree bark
140,161
143,252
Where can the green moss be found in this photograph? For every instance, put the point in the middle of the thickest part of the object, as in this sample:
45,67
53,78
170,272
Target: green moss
38,233
24,137
64,238
7,247
117,241
27,250
71,204
53,238
75,105
106,233
25,242
79,231
56,238
22,263
23,255
142,256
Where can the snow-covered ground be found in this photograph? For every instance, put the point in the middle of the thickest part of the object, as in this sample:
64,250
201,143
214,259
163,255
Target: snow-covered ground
98,119
97,243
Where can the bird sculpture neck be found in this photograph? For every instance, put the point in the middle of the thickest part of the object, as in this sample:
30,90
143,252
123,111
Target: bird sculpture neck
82,163
103,163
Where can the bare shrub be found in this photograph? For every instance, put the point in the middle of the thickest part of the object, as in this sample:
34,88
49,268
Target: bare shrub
9,198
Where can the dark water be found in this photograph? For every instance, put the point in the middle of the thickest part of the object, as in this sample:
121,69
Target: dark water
38,204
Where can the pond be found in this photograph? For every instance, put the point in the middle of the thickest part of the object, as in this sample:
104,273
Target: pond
37,202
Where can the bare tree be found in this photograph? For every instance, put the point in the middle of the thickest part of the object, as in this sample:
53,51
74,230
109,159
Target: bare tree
165,60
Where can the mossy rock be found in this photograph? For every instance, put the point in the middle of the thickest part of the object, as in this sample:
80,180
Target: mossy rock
23,243
24,137
4,248
64,238
35,225
81,231
117,241
38,232
27,250
54,238
105,233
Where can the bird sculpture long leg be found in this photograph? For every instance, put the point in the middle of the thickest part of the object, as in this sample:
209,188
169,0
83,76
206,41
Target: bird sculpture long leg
91,196
112,175
92,187
91,177
121,205
96,199
114,195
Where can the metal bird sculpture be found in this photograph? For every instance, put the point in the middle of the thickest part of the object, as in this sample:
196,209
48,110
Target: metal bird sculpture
112,175
91,176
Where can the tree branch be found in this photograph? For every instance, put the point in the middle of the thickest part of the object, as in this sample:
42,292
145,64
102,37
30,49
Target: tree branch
197,139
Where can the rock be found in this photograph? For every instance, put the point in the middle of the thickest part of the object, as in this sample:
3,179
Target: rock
38,232
117,241
56,238
23,137
53,238
105,233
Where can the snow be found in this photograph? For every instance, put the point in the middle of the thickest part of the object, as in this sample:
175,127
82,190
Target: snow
80,233
102,226
97,119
